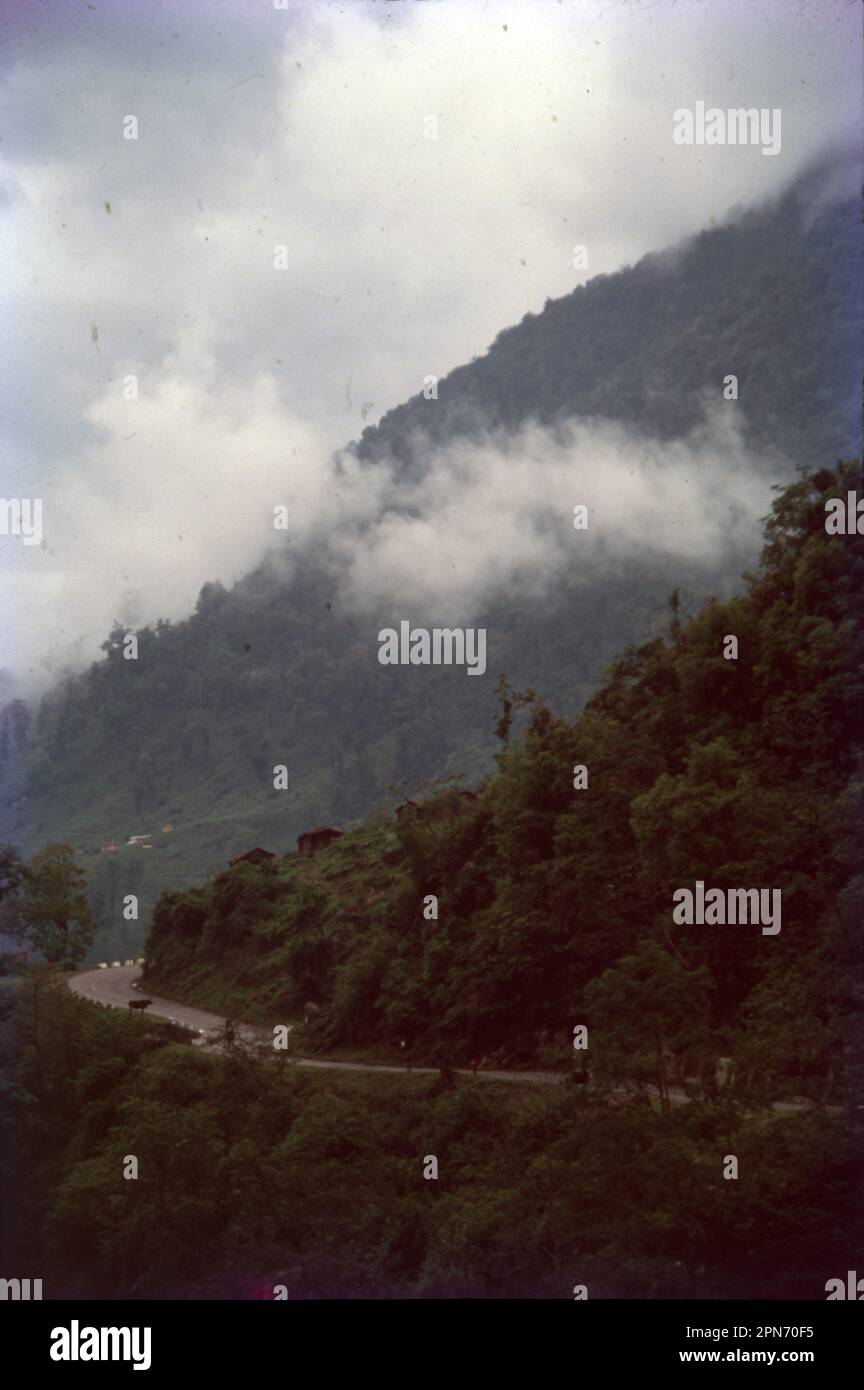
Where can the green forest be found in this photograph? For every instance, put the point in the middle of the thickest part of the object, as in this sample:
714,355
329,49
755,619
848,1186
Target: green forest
774,287
277,670
254,1175
554,912
739,772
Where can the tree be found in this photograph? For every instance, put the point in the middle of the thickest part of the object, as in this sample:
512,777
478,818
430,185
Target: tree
13,871
510,699
13,875
113,644
55,912
644,1013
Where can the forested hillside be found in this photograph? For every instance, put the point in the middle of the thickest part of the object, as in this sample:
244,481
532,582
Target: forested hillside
277,671
554,904
554,911
769,296
254,1176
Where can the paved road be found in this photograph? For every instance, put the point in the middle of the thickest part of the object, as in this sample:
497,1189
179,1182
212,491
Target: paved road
114,986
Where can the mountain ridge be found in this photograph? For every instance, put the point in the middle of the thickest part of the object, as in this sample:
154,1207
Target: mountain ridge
277,671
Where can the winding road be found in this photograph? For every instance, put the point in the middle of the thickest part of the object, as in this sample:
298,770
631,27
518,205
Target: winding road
115,987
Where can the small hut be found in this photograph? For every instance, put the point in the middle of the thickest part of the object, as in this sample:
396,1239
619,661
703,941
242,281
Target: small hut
252,856
312,841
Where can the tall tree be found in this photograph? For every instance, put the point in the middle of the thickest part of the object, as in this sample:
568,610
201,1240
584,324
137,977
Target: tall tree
13,875
56,914
13,871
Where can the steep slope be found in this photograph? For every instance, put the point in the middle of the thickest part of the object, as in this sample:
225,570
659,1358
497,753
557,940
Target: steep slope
277,671
770,297
554,904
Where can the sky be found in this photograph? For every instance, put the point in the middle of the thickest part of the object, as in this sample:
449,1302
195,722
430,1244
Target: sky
421,170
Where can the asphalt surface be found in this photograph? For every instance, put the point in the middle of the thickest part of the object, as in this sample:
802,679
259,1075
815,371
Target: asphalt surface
115,987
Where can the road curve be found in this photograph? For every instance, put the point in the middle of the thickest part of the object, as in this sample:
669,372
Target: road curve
114,987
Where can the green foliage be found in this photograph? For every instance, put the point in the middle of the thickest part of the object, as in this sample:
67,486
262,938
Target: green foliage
55,913
555,904
253,1174
646,1009
275,671
554,909
651,343
13,872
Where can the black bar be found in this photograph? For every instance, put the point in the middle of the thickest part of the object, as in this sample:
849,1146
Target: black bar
415,1338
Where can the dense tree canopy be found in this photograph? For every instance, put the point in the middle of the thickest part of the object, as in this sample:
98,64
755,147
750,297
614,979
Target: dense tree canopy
499,927
253,1175
553,900
278,671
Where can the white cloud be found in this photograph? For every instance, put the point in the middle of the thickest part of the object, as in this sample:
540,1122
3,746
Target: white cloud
406,255
488,514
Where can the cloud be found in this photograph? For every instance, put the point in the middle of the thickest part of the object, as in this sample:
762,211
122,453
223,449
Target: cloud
192,472
307,129
491,514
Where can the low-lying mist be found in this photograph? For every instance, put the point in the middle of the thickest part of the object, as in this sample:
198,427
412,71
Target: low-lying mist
491,515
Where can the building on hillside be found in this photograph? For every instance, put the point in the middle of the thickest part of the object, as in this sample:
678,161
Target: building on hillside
312,841
252,856
137,839
437,809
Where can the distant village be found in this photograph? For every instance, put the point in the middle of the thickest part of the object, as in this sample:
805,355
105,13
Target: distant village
310,843
134,842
